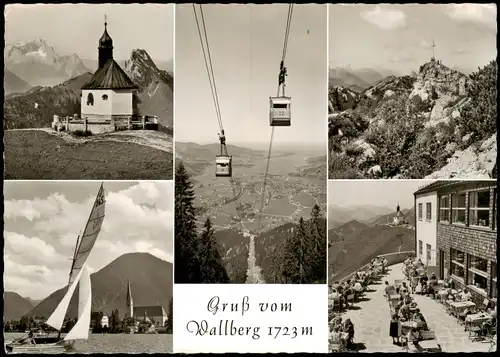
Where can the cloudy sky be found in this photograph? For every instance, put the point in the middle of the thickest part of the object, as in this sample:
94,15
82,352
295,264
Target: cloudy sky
382,193
246,44
76,28
399,37
43,220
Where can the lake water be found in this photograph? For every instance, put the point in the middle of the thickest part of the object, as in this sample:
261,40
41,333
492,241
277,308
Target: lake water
118,343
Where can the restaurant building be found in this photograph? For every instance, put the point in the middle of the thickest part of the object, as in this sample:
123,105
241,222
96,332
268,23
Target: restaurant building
464,230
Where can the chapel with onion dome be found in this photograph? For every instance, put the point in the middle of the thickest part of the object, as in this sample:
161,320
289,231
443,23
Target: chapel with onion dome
109,95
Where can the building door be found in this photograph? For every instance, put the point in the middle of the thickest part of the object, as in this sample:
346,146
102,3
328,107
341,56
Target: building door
441,264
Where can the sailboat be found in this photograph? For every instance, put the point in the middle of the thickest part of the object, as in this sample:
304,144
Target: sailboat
78,276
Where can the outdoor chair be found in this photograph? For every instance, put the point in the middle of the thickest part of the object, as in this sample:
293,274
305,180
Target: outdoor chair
337,347
475,333
427,335
493,343
484,305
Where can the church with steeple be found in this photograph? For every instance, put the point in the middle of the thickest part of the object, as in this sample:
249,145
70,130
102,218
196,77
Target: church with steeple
109,95
154,315
399,218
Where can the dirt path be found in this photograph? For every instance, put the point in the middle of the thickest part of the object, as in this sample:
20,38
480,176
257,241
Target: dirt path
150,138
254,273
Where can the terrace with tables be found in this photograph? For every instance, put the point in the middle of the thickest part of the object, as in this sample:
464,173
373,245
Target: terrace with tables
448,328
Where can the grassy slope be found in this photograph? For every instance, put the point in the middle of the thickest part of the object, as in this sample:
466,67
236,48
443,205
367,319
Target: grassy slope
39,155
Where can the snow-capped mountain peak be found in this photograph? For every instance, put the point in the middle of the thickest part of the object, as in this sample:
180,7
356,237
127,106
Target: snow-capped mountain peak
38,63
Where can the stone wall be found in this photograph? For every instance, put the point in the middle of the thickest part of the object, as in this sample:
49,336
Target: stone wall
477,241
94,128
392,259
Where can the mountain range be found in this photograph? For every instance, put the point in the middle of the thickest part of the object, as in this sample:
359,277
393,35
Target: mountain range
15,306
151,281
356,79
37,63
365,214
430,124
354,244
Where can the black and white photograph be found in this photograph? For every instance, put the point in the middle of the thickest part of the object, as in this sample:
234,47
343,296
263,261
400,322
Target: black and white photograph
412,265
250,180
88,91
88,267
412,91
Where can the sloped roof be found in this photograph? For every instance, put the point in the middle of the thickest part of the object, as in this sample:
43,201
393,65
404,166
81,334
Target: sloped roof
150,311
436,186
110,76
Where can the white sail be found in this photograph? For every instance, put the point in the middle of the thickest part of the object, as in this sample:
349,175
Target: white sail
81,329
57,318
89,236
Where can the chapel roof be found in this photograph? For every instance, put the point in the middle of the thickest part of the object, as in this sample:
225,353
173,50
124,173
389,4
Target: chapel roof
110,76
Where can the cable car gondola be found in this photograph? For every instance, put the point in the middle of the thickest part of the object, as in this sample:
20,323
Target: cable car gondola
280,106
224,161
280,112
223,166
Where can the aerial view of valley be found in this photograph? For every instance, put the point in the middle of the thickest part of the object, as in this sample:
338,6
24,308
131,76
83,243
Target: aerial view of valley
250,170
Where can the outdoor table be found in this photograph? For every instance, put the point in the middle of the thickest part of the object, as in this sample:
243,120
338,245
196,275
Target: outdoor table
476,319
459,305
408,324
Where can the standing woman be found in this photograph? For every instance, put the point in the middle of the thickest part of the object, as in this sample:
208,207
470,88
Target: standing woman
395,329
414,282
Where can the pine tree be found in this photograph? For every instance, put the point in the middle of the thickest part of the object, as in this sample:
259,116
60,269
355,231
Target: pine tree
317,256
479,116
212,268
170,321
295,256
187,264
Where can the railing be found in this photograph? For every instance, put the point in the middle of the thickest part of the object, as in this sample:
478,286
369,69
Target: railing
118,121
392,259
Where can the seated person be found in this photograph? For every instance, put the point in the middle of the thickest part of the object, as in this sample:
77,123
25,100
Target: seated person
388,288
404,312
425,288
424,279
357,287
420,320
465,296
489,308
335,335
413,337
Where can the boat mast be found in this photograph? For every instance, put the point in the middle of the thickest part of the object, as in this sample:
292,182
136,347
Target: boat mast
77,246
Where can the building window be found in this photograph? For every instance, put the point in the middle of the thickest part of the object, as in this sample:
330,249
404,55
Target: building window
419,211
444,209
90,99
477,275
428,211
479,208
494,280
458,208
104,97
420,248
457,264
428,251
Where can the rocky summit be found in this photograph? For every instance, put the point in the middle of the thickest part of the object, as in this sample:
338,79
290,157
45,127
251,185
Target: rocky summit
436,123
